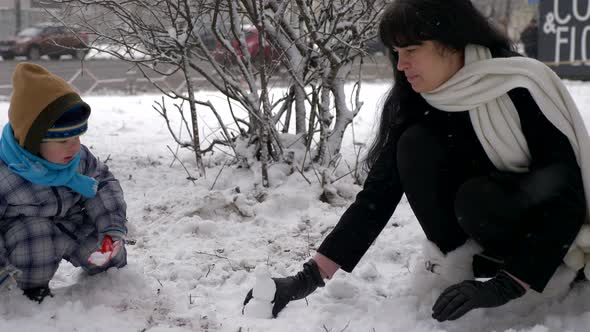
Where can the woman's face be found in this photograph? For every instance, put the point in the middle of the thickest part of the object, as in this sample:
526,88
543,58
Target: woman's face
428,65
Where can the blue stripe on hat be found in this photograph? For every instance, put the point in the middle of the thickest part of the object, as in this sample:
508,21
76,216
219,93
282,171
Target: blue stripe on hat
73,123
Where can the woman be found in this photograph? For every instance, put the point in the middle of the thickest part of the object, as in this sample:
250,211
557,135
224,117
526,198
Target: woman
485,144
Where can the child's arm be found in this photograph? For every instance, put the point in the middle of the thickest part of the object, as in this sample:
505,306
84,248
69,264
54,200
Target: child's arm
108,207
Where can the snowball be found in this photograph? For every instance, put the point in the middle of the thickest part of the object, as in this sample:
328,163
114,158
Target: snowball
258,309
341,289
369,272
98,258
265,287
263,293
261,271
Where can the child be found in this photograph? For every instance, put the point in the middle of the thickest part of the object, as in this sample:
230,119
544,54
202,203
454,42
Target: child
56,199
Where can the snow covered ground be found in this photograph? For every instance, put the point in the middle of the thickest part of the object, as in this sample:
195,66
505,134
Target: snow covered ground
196,245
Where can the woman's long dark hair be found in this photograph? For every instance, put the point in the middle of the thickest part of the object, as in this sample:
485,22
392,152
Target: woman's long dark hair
452,23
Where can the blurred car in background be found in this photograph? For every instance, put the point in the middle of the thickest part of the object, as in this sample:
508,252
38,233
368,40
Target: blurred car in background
372,46
51,39
271,54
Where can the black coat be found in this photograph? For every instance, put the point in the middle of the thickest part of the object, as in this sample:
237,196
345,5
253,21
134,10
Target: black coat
364,220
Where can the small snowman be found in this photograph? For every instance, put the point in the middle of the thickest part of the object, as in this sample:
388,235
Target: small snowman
263,293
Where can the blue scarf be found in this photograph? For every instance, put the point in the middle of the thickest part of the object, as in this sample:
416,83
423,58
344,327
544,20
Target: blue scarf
42,172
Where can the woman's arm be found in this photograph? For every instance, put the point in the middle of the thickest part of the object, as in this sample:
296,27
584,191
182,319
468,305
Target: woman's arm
362,222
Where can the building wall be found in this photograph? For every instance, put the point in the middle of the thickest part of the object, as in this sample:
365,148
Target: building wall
520,17
32,11
28,18
6,4
517,12
24,4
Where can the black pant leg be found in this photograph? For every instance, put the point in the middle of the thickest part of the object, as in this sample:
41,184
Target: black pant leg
492,212
430,185
530,219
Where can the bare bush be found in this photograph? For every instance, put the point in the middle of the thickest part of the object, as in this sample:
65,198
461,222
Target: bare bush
241,48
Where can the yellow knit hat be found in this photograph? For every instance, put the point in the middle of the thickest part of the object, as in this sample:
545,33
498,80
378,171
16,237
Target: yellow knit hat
39,98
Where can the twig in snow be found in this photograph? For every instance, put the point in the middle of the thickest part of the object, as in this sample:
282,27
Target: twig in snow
218,174
177,145
190,177
345,327
303,175
215,255
107,160
337,163
309,246
315,172
343,175
159,289
211,267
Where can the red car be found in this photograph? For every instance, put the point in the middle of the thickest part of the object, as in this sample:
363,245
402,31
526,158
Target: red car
271,54
49,39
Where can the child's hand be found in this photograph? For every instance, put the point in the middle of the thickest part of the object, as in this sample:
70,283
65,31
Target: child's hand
115,233
109,249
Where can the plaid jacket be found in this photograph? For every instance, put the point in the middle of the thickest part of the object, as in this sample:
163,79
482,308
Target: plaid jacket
20,199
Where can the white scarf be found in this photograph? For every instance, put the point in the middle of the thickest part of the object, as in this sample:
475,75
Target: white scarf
481,87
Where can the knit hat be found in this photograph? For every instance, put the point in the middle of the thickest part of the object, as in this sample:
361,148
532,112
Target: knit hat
39,99
73,123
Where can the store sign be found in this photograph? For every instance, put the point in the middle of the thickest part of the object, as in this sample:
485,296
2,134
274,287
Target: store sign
564,37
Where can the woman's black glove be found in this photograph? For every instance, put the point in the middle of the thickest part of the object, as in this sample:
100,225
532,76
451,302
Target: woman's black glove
459,299
295,287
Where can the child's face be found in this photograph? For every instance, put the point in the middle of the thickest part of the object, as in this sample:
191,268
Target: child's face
60,152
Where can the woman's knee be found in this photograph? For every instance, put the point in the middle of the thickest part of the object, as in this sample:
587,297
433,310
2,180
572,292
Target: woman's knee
474,202
487,204
555,182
